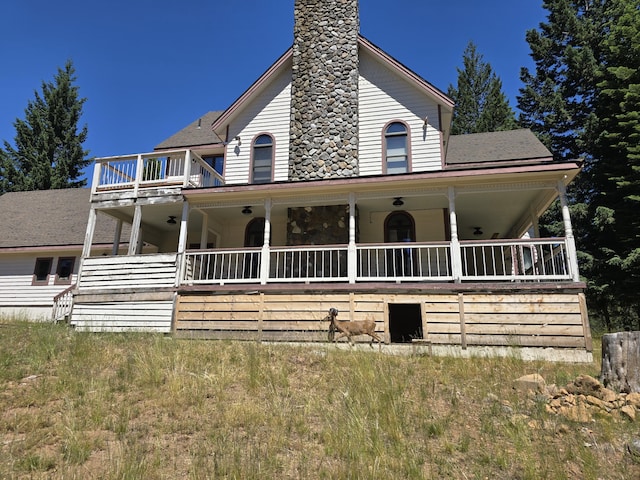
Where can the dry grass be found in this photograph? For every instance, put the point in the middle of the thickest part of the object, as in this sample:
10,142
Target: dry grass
136,406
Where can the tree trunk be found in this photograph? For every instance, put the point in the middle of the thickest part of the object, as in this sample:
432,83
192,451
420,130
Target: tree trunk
621,361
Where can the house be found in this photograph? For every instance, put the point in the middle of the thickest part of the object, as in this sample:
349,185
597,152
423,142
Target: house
333,181
40,247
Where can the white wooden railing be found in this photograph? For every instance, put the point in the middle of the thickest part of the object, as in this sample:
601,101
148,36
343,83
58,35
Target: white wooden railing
527,259
494,260
62,305
325,263
404,261
132,172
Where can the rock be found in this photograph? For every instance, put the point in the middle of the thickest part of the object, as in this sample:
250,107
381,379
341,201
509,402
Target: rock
585,385
607,395
533,382
599,403
634,399
633,449
576,413
629,411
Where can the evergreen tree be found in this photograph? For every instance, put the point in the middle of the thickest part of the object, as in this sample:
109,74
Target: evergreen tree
583,102
48,151
614,204
481,106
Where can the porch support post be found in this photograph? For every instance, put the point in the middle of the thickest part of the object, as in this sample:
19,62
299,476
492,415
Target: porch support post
182,243
88,240
352,261
139,174
456,256
135,230
568,232
187,168
116,238
204,233
265,257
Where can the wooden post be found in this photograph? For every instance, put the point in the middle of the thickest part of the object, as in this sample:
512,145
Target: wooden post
568,232
463,325
265,257
621,361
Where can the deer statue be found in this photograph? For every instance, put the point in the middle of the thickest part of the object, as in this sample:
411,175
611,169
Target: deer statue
351,328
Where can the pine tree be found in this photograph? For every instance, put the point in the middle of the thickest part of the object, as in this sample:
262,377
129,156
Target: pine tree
481,106
48,151
615,176
583,102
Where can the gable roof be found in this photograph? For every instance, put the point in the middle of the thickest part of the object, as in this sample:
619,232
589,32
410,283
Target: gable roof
195,134
50,218
482,149
438,96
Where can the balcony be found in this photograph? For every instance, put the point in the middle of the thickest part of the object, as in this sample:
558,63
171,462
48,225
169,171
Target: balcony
175,168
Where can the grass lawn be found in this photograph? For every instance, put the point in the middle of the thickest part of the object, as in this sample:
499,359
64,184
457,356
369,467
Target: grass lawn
141,406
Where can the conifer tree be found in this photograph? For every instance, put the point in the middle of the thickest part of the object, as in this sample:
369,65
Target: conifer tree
48,152
481,106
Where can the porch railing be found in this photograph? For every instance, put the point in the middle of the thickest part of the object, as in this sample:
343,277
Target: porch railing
405,261
493,260
324,263
132,172
526,259
62,305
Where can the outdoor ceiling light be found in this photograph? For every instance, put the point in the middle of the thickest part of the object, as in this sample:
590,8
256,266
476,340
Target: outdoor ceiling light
398,202
172,220
477,230
247,211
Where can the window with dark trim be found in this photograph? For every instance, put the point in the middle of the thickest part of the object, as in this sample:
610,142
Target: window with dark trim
396,149
262,170
399,227
64,270
42,270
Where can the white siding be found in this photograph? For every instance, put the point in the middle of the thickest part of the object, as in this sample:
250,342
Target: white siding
267,113
141,271
385,97
18,297
151,316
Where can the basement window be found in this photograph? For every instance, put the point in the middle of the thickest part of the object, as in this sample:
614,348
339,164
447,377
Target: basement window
64,272
41,271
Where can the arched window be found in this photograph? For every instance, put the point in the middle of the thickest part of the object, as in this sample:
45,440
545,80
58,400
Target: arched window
396,149
399,227
254,233
262,170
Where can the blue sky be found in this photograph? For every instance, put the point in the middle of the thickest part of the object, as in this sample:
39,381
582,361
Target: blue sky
150,67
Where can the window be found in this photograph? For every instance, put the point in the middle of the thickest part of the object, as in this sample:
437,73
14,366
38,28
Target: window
41,271
262,159
399,227
65,270
217,163
396,148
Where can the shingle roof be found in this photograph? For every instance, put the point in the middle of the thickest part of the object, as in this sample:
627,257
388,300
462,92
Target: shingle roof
197,133
50,218
487,147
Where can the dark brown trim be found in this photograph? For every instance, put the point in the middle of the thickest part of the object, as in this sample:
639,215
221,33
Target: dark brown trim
34,279
408,142
64,280
273,157
382,287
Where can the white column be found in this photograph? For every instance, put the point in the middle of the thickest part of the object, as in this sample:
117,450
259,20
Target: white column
116,238
135,230
456,255
204,233
182,244
352,252
568,232
265,262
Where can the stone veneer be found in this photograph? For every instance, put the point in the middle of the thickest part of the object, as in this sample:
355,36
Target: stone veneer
324,90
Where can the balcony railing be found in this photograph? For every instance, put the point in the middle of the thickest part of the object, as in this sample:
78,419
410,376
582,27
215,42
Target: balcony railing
493,260
133,172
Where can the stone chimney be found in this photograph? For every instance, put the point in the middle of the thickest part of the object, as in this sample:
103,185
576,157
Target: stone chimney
324,90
